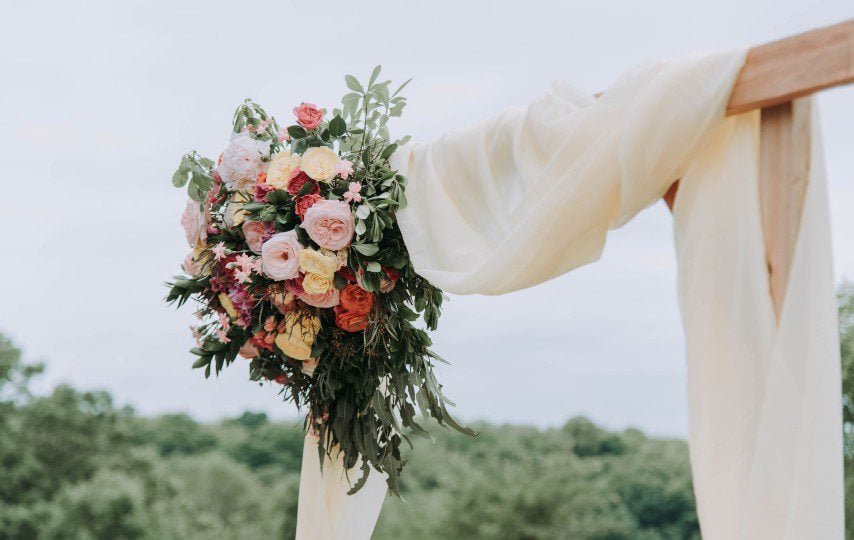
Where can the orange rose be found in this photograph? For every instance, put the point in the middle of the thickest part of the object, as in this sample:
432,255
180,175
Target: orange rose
356,300
349,321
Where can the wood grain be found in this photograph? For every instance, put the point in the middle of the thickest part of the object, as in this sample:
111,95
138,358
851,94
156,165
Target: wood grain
784,164
794,67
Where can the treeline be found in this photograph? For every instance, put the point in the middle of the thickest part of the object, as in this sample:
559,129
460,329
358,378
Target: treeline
74,466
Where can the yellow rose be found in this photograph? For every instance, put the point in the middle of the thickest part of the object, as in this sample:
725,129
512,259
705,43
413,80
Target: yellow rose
281,168
314,262
297,339
234,214
319,163
201,257
227,305
340,256
316,284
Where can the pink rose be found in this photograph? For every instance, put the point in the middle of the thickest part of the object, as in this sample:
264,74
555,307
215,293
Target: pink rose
330,224
190,267
256,233
195,222
308,115
279,256
329,299
261,191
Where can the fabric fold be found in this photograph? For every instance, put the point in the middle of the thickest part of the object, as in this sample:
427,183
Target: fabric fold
531,194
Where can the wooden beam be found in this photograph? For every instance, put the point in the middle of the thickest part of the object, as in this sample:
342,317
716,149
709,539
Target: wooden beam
794,67
778,72
785,150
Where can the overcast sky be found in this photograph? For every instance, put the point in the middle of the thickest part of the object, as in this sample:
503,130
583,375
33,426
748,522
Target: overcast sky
100,100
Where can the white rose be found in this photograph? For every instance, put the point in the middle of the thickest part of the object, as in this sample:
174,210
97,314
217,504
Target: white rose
242,161
281,168
320,163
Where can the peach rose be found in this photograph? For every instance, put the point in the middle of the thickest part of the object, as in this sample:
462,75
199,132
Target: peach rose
326,300
330,224
356,300
279,256
308,115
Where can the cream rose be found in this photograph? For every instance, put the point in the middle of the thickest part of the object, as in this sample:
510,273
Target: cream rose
320,163
311,261
316,284
282,168
299,334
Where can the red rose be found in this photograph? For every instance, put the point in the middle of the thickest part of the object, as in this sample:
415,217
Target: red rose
347,274
305,202
261,191
356,300
296,183
308,115
349,321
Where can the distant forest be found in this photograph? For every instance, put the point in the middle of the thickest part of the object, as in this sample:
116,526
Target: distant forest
74,466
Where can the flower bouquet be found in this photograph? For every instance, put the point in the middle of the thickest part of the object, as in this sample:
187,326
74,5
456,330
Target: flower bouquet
299,267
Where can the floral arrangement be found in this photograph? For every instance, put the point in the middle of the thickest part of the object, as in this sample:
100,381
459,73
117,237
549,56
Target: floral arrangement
299,268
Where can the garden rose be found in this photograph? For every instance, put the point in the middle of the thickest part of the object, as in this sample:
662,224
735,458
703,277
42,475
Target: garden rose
330,224
282,168
320,163
316,284
195,222
242,161
326,300
304,203
256,233
349,321
279,256
308,115
297,181
298,336
316,262
356,299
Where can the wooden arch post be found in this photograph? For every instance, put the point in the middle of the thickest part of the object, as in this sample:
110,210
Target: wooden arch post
779,78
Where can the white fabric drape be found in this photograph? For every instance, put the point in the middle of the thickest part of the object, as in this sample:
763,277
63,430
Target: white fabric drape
531,194
324,510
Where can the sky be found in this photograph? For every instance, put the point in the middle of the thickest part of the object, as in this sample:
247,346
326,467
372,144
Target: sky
101,99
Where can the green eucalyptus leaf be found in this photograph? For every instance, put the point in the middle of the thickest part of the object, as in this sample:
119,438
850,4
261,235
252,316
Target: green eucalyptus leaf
366,249
354,84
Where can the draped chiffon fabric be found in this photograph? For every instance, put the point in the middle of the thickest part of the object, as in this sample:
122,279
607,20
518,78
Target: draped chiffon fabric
531,194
